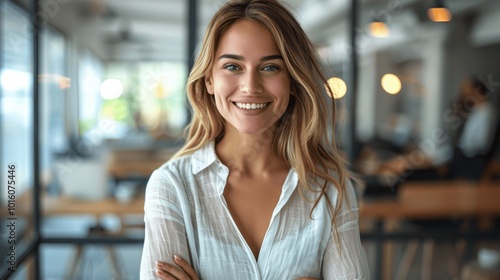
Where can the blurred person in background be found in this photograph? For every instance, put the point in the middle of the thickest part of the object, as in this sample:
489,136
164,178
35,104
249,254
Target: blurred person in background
477,133
463,154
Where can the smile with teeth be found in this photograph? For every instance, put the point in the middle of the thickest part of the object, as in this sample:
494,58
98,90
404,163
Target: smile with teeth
251,106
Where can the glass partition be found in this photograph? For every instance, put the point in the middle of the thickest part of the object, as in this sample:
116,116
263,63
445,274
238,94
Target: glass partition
16,129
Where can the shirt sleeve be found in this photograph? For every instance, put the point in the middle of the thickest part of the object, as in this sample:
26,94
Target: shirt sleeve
347,261
165,234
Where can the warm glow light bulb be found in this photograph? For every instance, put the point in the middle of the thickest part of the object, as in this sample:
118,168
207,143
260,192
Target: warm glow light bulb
111,89
439,14
338,87
391,83
379,29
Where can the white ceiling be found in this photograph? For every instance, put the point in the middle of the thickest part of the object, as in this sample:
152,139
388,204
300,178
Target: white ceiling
132,29
157,29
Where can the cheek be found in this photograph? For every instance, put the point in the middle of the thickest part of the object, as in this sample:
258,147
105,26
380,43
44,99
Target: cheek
284,105
223,86
222,91
283,93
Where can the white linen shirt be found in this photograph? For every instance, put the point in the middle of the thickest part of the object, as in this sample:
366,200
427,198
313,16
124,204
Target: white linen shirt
186,214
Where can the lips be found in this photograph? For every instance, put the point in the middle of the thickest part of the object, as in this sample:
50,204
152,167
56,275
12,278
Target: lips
251,106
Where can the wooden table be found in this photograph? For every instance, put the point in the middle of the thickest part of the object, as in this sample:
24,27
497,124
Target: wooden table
430,200
436,200
61,205
127,163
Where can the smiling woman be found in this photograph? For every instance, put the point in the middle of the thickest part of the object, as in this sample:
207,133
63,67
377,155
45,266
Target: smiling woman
258,191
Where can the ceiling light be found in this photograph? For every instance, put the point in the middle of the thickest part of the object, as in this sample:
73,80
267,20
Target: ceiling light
338,86
391,83
379,29
439,12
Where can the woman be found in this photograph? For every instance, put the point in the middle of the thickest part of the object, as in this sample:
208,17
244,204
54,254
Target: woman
257,192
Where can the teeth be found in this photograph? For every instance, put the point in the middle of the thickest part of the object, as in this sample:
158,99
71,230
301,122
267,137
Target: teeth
251,106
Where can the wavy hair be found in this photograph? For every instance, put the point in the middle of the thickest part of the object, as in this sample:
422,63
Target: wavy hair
300,137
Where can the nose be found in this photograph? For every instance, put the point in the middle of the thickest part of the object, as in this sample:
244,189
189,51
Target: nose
251,83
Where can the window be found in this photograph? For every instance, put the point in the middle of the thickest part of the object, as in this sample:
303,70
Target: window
152,99
16,95
16,129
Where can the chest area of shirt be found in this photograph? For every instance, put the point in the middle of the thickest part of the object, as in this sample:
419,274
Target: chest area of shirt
291,242
251,203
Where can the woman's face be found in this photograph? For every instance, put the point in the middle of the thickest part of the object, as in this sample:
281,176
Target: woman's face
249,79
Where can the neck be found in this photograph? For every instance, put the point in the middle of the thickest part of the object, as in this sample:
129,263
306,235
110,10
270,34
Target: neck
249,154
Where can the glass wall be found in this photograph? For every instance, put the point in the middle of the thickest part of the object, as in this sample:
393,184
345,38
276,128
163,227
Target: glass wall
16,129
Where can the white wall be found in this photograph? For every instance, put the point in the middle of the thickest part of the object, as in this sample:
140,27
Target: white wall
365,109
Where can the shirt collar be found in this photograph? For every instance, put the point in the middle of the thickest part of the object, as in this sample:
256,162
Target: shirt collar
204,157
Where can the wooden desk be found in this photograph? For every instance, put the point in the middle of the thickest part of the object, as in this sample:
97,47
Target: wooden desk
137,163
60,205
436,200
430,200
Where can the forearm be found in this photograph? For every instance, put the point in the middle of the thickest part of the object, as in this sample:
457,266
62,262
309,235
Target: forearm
165,234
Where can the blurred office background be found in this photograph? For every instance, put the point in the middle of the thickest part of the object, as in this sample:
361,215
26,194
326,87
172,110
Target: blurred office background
92,99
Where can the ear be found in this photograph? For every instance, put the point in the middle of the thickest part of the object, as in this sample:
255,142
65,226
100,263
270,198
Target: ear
209,83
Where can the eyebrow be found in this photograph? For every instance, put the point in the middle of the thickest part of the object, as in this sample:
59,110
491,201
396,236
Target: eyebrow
240,57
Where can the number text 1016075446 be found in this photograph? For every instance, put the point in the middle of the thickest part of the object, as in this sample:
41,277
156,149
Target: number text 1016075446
11,217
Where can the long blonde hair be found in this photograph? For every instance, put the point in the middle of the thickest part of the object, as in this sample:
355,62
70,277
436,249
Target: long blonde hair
301,137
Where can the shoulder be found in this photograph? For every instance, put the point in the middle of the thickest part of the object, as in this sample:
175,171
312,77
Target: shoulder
344,193
346,204
484,113
344,188
341,194
485,108
179,166
171,175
